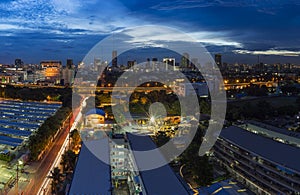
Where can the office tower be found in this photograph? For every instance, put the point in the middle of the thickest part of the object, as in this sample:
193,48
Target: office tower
218,60
154,62
185,60
69,63
114,61
18,63
97,64
169,62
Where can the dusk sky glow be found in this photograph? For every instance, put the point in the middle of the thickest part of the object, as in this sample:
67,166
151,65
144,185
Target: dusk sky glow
35,30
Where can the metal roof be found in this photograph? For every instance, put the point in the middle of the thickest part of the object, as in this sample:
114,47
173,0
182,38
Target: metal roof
16,132
91,175
95,111
159,181
282,154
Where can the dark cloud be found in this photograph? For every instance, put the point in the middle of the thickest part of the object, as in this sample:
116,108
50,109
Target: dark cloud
48,30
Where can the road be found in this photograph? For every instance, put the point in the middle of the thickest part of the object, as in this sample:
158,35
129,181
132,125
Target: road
40,180
46,182
46,185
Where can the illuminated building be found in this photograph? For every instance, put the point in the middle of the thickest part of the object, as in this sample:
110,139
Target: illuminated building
170,62
52,70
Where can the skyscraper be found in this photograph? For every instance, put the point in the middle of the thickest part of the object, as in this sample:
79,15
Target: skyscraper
18,63
185,60
69,63
114,61
97,64
218,60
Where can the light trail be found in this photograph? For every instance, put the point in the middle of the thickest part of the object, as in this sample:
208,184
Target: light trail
43,189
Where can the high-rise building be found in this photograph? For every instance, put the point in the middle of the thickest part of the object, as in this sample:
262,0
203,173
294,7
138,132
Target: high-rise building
218,60
68,76
114,61
97,64
185,60
70,63
170,62
154,62
18,63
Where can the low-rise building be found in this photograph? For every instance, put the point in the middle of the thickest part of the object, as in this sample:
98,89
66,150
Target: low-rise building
265,165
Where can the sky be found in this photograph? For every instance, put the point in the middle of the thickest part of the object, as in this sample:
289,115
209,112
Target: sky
240,30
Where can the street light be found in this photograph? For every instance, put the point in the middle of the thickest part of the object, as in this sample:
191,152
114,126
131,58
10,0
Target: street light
152,119
17,184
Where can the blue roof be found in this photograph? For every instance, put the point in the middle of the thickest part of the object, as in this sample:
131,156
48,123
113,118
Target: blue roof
16,132
27,113
10,141
95,111
34,104
91,175
16,124
283,154
27,117
159,181
40,110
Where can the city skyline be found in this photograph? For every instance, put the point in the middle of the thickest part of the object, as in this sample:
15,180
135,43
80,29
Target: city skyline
239,31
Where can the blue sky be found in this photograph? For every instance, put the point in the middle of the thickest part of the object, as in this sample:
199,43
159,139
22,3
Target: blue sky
35,30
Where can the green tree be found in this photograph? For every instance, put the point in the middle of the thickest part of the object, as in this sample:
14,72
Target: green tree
75,137
56,183
68,161
161,138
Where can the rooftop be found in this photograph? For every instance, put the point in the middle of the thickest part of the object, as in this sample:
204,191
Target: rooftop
159,181
92,176
268,149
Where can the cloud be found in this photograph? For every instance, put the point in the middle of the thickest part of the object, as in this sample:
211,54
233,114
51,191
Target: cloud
156,37
269,52
264,6
64,17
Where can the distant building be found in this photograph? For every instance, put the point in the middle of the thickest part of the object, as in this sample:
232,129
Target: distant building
97,64
154,63
131,63
7,78
19,63
68,76
114,61
185,60
170,62
218,60
70,63
186,89
52,70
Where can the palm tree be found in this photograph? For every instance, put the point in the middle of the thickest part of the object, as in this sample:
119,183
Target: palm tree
68,161
56,177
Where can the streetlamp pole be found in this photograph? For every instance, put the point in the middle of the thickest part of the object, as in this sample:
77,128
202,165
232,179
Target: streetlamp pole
17,184
17,178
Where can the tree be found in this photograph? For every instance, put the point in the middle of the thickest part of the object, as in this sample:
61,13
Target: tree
56,183
161,138
68,161
75,136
